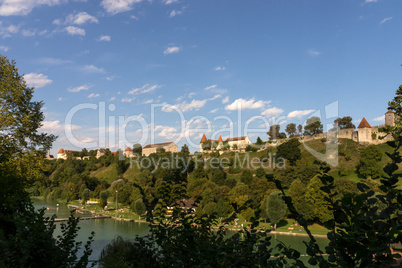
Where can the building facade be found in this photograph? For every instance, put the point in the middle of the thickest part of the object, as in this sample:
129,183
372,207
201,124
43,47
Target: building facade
151,148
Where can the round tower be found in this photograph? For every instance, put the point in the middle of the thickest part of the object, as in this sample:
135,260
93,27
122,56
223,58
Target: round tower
390,118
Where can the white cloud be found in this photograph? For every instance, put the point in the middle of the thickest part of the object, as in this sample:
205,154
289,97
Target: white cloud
92,69
168,2
242,104
225,100
220,68
72,30
385,20
299,114
214,111
313,53
175,12
112,98
184,106
118,6
54,127
80,18
171,50
144,89
37,80
379,119
371,1
23,7
60,99
93,95
4,48
78,89
7,31
274,111
106,38
210,87
127,99
148,101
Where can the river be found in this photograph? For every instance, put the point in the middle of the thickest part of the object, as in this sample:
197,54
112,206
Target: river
107,229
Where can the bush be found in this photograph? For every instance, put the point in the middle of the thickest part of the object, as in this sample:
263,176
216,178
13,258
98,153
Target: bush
324,140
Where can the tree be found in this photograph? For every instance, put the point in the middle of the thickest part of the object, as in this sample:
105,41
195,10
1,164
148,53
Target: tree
300,129
26,235
276,208
104,195
370,163
344,122
260,172
223,209
290,151
139,207
218,176
137,149
259,141
291,129
313,126
185,150
282,135
246,176
273,132
85,196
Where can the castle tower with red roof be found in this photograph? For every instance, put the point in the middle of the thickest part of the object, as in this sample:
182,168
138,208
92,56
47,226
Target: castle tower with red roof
364,132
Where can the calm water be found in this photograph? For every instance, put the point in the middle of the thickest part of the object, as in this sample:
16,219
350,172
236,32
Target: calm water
106,229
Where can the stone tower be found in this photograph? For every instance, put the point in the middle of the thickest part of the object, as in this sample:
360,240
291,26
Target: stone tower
390,118
364,130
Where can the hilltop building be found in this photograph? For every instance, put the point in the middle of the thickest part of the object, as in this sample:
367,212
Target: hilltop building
365,133
128,152
237,143
168,146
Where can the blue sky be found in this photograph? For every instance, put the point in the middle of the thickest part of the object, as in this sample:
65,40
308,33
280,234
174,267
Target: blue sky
281,60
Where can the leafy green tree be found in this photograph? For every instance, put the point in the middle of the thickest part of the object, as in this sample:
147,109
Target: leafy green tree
276,208
260,172
185,150
317,199
26,235
85,196
273,132
259,141
313,126
291,129
290,151
370,163
139,207
206,145
137,149
209,208
104,195
300,130
344,122
218,176
223,208
246,176
282,135
230,182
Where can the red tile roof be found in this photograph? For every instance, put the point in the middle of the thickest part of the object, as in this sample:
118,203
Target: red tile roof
128,149
61,151
389,112
157,145
236,139
204,139
220,138
364,124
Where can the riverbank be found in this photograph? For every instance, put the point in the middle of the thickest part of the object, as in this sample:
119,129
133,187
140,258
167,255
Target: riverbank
285,227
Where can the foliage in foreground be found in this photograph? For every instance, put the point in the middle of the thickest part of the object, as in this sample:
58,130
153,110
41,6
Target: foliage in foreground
26,235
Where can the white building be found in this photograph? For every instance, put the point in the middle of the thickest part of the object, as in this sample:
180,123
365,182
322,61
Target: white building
168,146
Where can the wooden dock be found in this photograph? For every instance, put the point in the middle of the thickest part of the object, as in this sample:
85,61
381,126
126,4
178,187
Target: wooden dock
84,218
